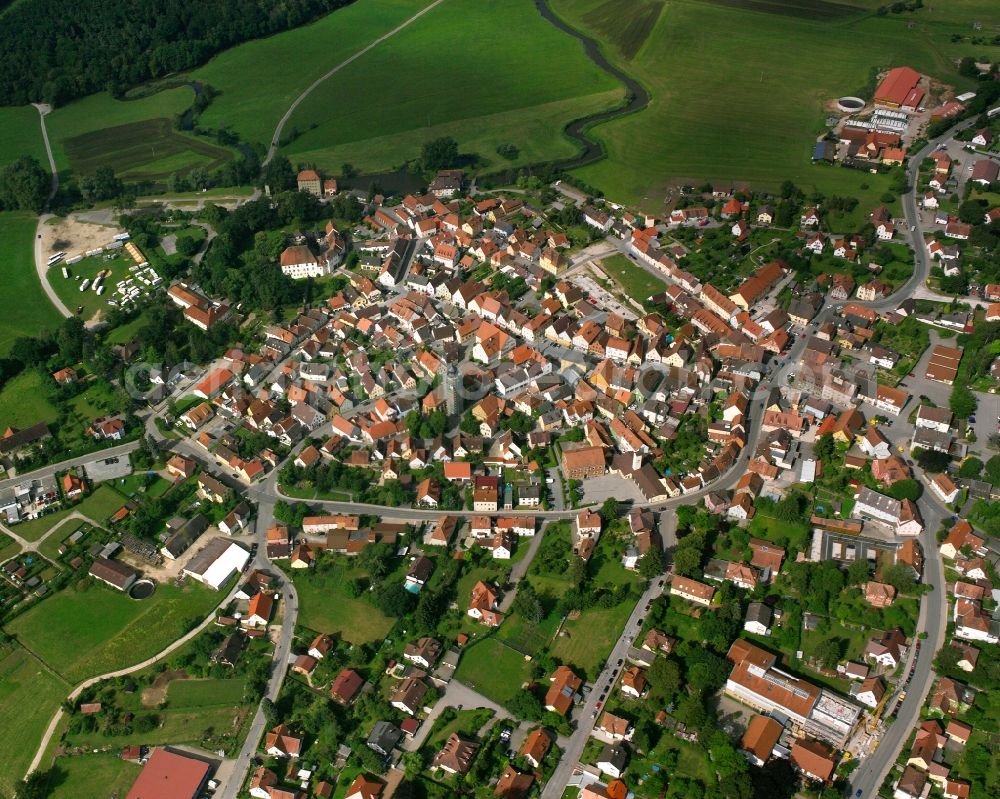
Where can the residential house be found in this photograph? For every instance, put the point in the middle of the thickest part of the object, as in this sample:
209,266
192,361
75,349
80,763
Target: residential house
280,742
456,756
562,692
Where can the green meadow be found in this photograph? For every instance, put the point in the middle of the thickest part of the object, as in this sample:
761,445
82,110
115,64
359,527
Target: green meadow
136,137
20,134
30,693
27,311
90,629
259,80
738,86
486,72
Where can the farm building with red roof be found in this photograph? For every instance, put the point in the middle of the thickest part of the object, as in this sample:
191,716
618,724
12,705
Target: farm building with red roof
900,88
168,775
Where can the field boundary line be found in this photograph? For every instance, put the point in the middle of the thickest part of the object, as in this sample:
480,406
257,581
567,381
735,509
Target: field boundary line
276,137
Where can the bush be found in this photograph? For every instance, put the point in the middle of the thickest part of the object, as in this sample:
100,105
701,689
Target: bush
971,468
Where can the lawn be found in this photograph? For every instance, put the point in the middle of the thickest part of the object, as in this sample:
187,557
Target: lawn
177,726
726,106
136,137
547,573
288,62
328,609
525,636
50,546
16,412
851,640
8,547
98,506
124,333
27,311
205,693
635,281
29,695
149,149
89,629
586,642
494,670
69,291
783,533
97,775
486,72
535,131
692,762
466,723
21,134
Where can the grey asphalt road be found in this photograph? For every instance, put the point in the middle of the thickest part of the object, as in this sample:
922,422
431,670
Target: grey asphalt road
48,471
266,495
933,621
588,712
282,648
866,779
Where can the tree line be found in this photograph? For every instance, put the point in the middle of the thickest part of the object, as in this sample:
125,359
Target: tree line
59,50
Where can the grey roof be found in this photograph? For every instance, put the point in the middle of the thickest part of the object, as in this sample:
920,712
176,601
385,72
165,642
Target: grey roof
23,438
615,754
931,439
760,613
936,415
113,572
384,737
201,562
179,542
881,502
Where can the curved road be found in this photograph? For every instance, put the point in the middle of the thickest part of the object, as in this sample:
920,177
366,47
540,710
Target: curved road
933,620
41,262
866,778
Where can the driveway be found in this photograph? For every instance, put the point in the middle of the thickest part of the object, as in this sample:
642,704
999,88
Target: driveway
456,695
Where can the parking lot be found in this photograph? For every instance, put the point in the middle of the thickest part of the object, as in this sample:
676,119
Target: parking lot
610,486
102,469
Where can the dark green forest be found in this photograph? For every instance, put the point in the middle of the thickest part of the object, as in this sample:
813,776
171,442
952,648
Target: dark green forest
59,50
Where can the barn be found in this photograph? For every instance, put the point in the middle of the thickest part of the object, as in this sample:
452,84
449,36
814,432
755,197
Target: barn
900,88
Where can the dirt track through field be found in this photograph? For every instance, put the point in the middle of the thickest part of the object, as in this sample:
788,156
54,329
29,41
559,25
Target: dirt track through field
276,138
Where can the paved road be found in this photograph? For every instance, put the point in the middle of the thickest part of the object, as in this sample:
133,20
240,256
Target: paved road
41,260
588,712
456,694
922,266
933,621
276,138
43,110
42,268
934,605
32,546
51,469
282,647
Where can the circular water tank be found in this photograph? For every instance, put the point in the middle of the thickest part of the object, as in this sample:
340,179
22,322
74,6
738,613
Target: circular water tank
850,105
142,589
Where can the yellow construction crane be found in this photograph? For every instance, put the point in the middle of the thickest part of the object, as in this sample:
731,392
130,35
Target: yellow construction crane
873,717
